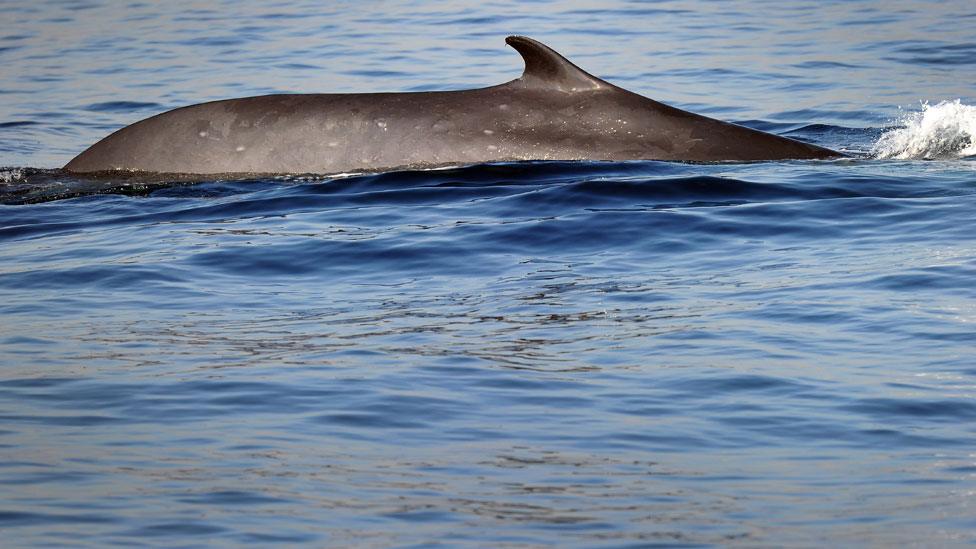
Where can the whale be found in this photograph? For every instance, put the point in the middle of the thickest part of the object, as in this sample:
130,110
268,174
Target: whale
553,111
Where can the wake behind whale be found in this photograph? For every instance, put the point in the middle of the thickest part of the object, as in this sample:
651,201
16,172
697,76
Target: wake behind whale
554,111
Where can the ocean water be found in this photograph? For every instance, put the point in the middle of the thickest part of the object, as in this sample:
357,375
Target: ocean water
541,354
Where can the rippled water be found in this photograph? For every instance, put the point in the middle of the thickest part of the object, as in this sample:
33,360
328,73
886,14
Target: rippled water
534,354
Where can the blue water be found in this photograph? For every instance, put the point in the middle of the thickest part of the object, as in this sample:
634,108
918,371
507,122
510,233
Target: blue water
526,355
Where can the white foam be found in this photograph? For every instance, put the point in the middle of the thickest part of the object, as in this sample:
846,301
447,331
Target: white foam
945,130
9,175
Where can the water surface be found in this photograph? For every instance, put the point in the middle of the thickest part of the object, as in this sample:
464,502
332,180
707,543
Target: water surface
533,354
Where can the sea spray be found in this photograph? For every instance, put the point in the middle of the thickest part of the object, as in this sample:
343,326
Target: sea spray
945,130
9,175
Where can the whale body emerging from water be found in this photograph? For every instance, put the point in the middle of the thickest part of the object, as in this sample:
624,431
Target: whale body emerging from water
554,111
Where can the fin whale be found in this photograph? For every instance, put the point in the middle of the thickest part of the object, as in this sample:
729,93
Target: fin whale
554,111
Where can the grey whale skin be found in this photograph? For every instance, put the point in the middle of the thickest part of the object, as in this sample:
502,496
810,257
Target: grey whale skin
554,111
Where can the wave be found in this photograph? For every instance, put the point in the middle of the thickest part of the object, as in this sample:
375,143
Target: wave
943,131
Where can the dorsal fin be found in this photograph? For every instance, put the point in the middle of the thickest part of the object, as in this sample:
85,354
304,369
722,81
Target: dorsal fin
545,68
